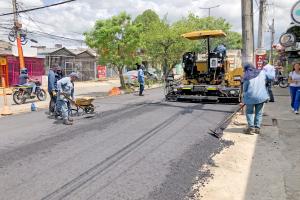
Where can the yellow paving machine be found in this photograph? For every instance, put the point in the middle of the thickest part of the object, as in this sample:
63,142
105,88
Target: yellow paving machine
210,76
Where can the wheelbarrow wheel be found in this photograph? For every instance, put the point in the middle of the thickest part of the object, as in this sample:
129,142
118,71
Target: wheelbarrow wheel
89,109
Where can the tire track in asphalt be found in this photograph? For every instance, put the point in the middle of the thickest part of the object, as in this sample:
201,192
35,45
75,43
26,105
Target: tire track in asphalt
105,119
99,168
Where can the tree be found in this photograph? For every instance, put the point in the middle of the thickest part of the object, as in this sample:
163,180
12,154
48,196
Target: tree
162,42
117,40
233,40
146,19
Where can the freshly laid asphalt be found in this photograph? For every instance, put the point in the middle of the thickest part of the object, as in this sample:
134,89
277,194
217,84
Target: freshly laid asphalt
132,148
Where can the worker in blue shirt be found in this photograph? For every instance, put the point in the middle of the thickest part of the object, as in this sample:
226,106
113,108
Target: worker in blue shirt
52,88
54,75
141,78
65,87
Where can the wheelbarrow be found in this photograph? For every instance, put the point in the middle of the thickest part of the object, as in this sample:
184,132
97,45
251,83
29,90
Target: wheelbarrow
81,103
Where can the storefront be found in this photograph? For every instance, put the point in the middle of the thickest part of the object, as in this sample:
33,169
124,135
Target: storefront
10,69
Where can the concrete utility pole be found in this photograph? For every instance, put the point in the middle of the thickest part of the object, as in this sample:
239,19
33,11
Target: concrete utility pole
248,32
17,27
209,8
261,24
272,41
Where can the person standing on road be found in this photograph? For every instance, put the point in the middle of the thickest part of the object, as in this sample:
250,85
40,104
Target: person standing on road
141,79
54,75
294,81
58,75
65,88
271,73
52,88
255,95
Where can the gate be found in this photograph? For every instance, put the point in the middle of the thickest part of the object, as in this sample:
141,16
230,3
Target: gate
3,71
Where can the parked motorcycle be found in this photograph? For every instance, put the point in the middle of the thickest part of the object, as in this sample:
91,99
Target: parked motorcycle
281,81
22,93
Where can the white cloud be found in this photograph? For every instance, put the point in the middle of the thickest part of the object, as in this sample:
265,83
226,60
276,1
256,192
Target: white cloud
79,16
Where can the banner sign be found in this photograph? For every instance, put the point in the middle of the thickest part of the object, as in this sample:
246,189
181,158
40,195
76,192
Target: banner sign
260,56
101,71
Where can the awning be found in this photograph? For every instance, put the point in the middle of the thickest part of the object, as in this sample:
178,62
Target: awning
196,35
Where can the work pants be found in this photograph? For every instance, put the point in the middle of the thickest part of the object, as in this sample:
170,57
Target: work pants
142,86
254,114
52,104
64,108
269,88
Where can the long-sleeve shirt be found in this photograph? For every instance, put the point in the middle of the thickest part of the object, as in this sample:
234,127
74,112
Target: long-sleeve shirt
51,81
141,76
254,90
66,86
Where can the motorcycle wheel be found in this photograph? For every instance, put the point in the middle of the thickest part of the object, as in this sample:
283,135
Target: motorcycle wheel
283,83
41,95
19,97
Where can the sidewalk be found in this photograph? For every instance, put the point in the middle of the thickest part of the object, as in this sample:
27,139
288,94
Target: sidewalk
258,167
91,88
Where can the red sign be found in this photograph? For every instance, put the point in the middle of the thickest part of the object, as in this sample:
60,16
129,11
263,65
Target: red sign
101,71
260,56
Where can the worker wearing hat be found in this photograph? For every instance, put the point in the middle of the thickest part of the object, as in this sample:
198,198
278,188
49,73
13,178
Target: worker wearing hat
65,87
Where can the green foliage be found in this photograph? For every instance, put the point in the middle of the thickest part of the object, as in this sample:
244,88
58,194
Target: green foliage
233,40
117,40
146,19
153,39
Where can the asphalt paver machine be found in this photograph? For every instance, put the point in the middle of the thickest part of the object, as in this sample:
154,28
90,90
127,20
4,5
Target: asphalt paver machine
207,77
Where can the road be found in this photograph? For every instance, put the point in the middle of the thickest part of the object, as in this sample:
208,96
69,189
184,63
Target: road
133,148
95,88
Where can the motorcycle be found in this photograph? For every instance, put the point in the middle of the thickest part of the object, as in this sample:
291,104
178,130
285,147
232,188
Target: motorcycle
21,93
281,81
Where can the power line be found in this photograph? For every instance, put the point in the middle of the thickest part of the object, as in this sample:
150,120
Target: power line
209,8
36,22
37,8
256,3
55,36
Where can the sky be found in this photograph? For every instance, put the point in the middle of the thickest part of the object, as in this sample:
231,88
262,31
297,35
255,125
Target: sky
72,19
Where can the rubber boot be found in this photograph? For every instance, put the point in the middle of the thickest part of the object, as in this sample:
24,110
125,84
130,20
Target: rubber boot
67,122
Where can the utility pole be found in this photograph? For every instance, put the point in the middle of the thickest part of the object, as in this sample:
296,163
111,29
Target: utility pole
209,8
17,27
248,32
261,24
272,40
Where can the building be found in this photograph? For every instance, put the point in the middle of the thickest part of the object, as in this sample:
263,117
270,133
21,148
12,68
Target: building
10,65
82,61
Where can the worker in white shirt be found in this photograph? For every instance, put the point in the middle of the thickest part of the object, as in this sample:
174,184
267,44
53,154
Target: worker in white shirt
270,73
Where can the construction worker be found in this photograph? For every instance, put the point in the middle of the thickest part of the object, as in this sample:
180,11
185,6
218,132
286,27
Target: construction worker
65,87
255,95
141,78
52,88
54,75
270,74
